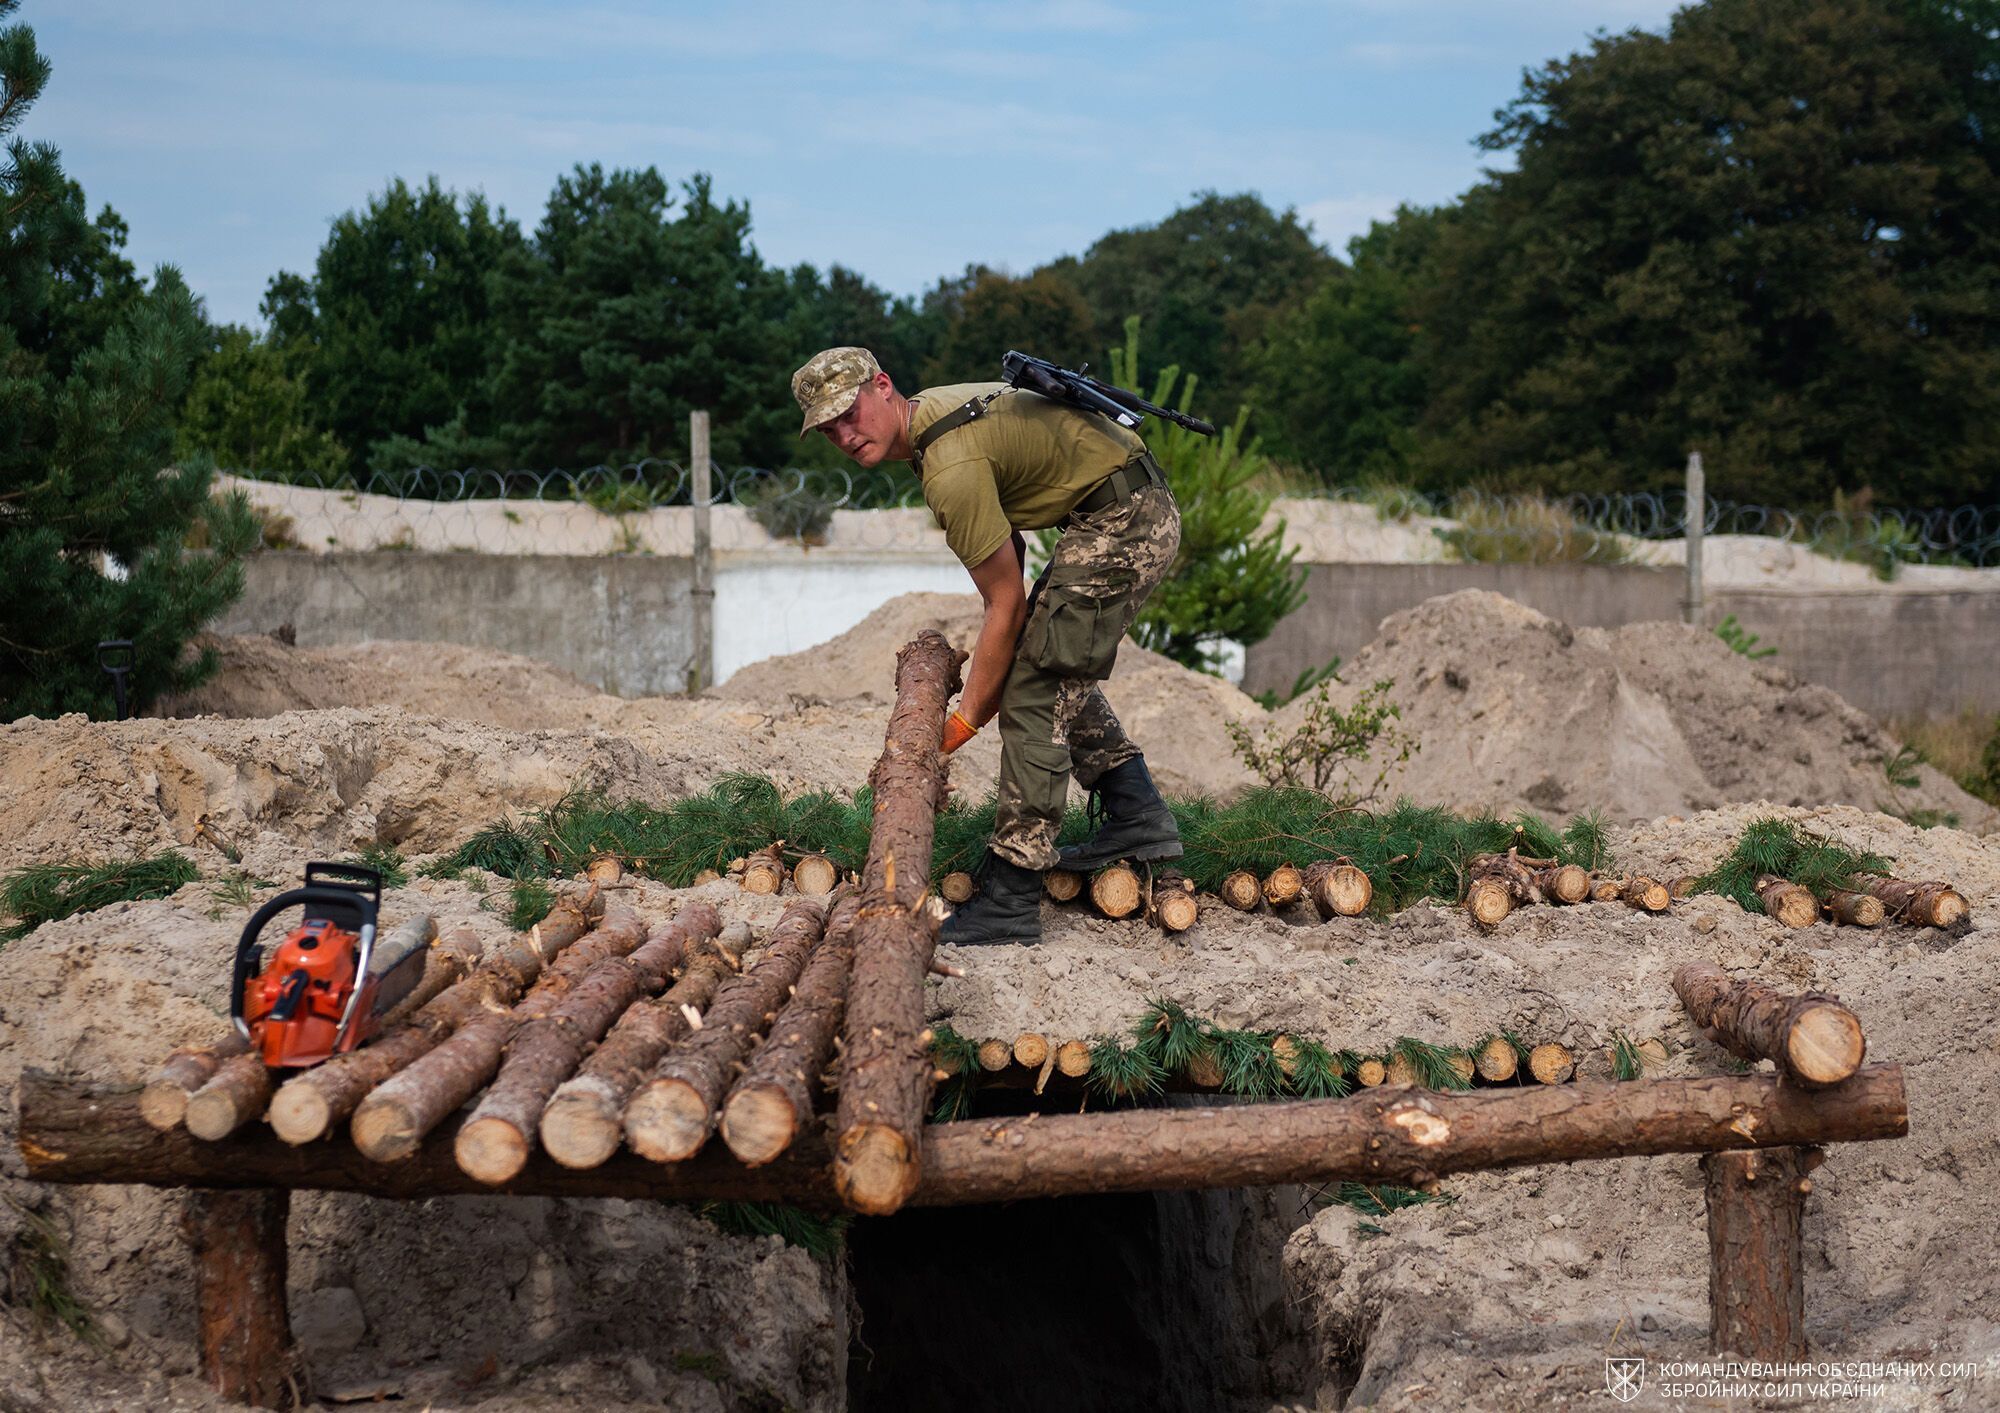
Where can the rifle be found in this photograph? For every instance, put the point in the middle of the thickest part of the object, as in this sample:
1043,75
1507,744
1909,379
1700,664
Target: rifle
1075,387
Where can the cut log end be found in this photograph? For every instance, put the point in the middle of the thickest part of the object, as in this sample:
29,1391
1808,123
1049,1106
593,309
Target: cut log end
758,1123
1488,901
580,1128
1115,891
384,1131
1787,902
1176,911
1242,891
1826,1045
1284,885
300,1114
1551,1063
1497,1061
1371,1073
994,1055
1031,1050
1340,891
490,1151
875,1170
667,1121
1062,885
1073,1058
163,1105
1648,895
815,876
956,888
1285,1051
1566,883
1855,909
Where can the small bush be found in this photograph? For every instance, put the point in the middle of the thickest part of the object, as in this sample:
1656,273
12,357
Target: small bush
1740,640
1527,529
1330,745
790,512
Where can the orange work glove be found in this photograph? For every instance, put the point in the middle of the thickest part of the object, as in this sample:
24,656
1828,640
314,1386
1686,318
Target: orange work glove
957,731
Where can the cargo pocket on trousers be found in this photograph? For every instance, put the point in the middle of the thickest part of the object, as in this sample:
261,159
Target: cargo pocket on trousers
1044,782
1079,634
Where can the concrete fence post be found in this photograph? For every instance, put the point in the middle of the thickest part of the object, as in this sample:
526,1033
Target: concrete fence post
701,666
1697,520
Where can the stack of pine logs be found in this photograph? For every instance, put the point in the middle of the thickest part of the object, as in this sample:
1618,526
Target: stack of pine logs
1496,884
1875,901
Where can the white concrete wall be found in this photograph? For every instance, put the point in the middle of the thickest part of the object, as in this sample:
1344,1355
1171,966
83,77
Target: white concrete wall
786,601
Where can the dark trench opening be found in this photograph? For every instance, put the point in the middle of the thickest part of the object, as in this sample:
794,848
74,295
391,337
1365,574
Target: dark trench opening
1151,1301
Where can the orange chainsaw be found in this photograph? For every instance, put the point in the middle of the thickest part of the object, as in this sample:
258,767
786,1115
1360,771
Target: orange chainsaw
325,988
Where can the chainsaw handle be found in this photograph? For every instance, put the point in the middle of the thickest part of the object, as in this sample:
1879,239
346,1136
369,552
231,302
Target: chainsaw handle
343,899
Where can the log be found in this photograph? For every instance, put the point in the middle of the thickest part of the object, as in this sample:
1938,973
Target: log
1924,904
1756,1280
1073,1059
493,1144
1606,890
1497,1060
885,1072
956,888
771,1103
309,1105
1496,884
1242,891
1461,1065
1563,883
584,1120
672,1114
1370,1073
1551,1063
1338,889
1285,1051
1646,894
239,1091
237,1240
1813,1038
815,875
1114,890
392,1121
994,1055
1031,1050
1685,887
764,871
1399,1070
164,1100
1283,885
1488,901
1855,909
1061,884
1203,1071
606,870
1790,904
1173,908
70,1133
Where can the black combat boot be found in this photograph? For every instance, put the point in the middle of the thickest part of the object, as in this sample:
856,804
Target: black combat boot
1137,823
1007,907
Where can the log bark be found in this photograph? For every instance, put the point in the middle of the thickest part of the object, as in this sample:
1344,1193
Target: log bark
1756,1280
956,888
1242,891
1563,883
1173,907
1497,1060
69,1133
675,1111
1813,1038
1283,885
1924,904
815,876
392,1121
771,1103
1061,884
238,1092
309,1105
237,1240
584,1120
1114,890
164,1100
493,1144
764,871
1646,894
1790,904
1338,889
1855,909
1551,1063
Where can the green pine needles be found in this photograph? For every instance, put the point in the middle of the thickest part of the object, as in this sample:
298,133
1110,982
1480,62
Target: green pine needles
1432,1064
1779,848
46,892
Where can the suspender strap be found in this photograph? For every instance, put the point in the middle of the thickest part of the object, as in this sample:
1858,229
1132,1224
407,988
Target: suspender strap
950,422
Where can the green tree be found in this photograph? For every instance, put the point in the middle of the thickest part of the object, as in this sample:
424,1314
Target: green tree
843,308
247,411
92,531
1772,232
1040,314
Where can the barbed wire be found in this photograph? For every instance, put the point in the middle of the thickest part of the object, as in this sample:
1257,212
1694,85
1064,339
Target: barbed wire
630,509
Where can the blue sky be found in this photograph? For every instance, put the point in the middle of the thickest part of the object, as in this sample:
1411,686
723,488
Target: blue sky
904,140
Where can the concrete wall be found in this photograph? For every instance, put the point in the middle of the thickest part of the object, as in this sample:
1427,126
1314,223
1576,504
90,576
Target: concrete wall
1888,651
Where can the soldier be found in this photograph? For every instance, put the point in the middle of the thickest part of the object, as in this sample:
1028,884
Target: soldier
996,461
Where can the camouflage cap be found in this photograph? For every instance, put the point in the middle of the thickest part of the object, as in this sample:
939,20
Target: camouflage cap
830,381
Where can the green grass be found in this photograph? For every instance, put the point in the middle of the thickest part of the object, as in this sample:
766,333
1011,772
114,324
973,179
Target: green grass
528,902
48,892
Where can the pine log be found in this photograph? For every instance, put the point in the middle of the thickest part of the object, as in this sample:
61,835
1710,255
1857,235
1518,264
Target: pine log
1338,889
673,1113
1203,1070
995,1055
815,875
1031,1050
584,1120
1496,884
1756,1279
1855,909
956,888
1488,901
1285,1051
1685,887
1497,1060
164,1100
1399,1070
1551,1063
239,1091
764,871
1813,1038
1924,904
1787,902
1114,889
606,870
1371,1072
1461,1065
1283,885
493,1144
1061,884
1173,907
1606,890
392,1121
237,1240
71,1133
1242,891
1563,883
309,1105
1646,894
771,1103
1073,1059
885,1072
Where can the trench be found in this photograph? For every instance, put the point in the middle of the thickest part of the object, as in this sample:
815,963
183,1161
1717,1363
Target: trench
1159,1302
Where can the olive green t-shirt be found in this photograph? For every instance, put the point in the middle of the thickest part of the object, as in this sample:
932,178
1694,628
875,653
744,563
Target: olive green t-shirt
1019,466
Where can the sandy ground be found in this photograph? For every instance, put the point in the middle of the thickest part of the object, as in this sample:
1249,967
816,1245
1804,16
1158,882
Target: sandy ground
1509,1297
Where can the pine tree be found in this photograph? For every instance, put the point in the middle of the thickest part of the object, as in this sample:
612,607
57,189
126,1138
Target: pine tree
94,533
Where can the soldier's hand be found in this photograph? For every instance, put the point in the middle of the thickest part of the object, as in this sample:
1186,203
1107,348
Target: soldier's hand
957,731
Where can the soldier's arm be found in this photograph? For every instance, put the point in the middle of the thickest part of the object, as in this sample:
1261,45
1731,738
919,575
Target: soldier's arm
998,579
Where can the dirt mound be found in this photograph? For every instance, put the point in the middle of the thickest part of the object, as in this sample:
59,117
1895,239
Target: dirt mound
1519,711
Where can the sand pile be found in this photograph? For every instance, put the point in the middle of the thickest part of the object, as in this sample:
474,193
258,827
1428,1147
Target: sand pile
1519,711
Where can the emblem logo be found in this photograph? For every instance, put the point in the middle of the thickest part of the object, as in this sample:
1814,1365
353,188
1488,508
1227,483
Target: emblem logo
1623,1378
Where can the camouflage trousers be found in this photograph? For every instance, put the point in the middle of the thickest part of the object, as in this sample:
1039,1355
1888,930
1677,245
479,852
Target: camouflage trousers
1054,721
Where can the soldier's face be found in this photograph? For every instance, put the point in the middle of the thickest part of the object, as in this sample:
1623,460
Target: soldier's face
867,431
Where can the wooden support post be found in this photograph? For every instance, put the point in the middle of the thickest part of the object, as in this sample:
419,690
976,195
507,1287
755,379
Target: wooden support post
237,1238
1756,1283
701,671
1697,522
